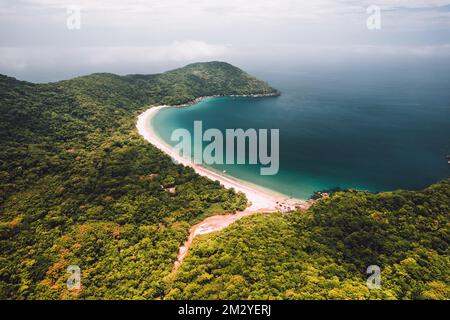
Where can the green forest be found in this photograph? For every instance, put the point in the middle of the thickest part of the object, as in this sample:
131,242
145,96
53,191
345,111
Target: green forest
80,186
323,253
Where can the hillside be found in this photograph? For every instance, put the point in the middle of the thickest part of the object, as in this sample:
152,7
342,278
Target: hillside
80,186
324,253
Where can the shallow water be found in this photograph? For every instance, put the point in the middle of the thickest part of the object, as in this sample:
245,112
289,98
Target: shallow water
366,129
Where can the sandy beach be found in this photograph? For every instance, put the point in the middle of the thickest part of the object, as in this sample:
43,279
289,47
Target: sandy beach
261,200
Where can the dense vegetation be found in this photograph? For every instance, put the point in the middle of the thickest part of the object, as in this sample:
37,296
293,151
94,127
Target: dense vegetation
324,253
78,185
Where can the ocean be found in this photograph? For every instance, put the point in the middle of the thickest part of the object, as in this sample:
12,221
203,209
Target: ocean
361,127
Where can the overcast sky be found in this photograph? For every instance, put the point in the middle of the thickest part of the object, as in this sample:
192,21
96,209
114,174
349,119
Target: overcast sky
139,36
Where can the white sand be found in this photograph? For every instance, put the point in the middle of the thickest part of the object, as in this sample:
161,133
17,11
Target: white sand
261,200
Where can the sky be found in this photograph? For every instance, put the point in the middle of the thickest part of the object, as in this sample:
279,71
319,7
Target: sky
138,36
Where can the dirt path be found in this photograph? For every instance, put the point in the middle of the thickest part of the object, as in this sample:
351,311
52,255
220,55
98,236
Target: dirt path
217,223
211,224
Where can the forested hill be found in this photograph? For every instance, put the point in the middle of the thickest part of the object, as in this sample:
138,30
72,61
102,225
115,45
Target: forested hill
78,185
173,87
324,253
82,112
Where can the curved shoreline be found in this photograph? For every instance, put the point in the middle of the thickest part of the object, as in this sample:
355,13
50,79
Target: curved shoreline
261,199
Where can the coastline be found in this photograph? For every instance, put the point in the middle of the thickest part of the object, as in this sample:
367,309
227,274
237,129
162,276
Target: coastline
261,200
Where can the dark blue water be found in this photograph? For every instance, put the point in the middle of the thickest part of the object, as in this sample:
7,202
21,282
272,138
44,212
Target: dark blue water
366,128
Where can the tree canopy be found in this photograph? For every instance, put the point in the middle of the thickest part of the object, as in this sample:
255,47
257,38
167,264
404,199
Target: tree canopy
79,186
323,253
78,183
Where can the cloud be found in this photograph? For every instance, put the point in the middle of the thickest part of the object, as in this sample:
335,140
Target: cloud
178,51
14,58
143,35
256,7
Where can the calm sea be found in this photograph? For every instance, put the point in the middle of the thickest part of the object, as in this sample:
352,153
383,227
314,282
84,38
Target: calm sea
365,127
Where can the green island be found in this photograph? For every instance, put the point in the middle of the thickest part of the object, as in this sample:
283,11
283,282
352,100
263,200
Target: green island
80,186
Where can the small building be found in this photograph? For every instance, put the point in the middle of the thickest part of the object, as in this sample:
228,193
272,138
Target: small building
171,190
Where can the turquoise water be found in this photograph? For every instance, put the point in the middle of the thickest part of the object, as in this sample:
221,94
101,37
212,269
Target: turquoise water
367,129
